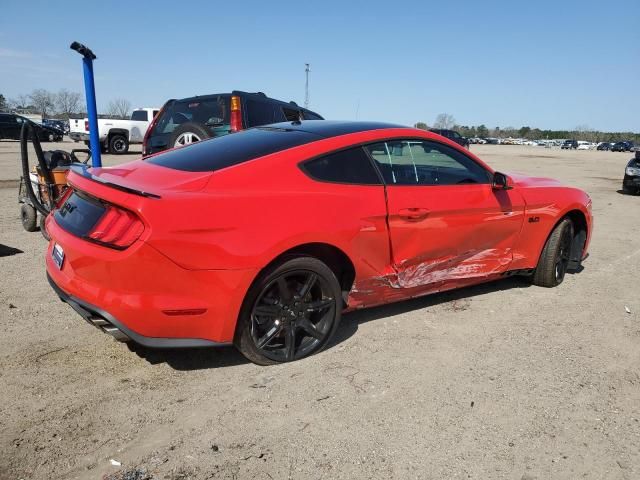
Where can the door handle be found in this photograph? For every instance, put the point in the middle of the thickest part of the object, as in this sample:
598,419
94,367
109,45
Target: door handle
413,213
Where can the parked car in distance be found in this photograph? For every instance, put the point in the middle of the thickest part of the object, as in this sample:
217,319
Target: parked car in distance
116,135
451,135
190,120
631,182
262,238
604,146
569,144
11,126
582,145
622,147
57,124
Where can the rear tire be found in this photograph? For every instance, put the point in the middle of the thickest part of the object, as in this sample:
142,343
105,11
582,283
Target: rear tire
290,312
118,144
555,256
29,217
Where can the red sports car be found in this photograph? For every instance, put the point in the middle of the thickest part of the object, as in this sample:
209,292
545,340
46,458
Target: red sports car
264,237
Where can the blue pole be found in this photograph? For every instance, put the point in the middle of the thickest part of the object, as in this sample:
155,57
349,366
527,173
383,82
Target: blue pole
92,112
90,91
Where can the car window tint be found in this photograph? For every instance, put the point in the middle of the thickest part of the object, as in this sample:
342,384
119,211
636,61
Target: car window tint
139,115
263,113
209,112
291,115
228,150
419,162
347,166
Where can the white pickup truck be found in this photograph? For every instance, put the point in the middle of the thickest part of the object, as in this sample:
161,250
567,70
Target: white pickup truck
116,135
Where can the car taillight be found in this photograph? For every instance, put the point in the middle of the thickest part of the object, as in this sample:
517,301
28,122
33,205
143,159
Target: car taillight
236,114
86,125
145,140
117,228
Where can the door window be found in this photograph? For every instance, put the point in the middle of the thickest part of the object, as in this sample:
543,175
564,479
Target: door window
420,162
263,113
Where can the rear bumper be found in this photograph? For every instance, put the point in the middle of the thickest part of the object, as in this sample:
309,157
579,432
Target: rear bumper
141,295
631,182
77,136
109,324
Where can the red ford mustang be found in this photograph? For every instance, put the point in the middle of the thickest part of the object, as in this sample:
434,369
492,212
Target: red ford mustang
264,237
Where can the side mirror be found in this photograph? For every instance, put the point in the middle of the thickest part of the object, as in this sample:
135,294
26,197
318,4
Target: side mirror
501,182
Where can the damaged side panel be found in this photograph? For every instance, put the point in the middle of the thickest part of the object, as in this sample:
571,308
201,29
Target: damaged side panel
467,237
412,280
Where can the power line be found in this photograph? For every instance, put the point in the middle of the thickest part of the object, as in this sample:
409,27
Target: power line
306,84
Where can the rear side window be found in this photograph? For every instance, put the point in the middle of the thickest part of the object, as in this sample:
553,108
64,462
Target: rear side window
263,113
222,152
347,166
307,115
140,115
209,112
291,114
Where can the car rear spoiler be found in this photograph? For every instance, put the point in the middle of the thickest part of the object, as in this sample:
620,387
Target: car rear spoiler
83,171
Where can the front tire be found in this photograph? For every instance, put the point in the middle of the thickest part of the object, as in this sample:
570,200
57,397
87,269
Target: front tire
118,145
555,257
290,312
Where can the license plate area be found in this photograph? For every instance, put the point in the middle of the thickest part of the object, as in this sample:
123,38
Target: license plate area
57,253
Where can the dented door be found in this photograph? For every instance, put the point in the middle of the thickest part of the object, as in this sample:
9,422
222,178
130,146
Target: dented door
446,222
458,232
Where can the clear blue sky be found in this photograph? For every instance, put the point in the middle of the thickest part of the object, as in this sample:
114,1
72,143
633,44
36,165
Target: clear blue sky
548,64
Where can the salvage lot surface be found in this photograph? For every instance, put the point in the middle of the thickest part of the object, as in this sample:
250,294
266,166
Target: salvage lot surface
503,380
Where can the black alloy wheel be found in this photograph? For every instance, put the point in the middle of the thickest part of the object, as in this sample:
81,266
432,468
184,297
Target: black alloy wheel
291,312
556,256
563,256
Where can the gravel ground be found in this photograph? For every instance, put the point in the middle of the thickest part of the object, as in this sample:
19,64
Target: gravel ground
503,380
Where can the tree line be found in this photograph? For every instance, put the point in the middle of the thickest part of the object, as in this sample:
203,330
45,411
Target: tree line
581,132
63,104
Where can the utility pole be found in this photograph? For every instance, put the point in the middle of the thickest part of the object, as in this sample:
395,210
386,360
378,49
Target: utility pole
306,85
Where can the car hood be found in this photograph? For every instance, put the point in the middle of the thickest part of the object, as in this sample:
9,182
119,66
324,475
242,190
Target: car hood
522,180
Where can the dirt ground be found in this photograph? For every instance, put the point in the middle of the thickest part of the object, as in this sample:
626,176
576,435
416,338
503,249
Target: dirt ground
500,381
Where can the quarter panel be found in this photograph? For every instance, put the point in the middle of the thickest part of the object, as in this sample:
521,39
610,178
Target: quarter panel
252,212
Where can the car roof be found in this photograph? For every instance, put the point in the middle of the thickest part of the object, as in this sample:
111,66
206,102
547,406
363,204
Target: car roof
260,96
331,128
